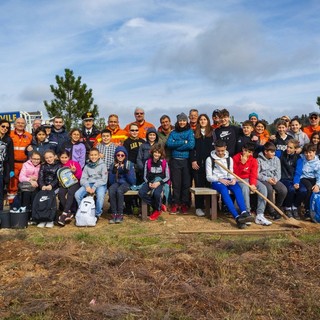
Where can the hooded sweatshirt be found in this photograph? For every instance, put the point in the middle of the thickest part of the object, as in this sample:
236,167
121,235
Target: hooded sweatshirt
310,169
125,174
28,170
96,173
268,168
144,149
213,175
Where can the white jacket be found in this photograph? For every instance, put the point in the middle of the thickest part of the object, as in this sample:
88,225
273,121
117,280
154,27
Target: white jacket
217,172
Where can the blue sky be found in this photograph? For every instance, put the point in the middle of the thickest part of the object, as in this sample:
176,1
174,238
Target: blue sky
165,56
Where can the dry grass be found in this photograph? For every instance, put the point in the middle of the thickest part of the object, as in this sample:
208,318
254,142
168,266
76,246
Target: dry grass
150,271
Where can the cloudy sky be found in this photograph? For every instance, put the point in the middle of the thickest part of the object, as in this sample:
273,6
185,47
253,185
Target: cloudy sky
165,55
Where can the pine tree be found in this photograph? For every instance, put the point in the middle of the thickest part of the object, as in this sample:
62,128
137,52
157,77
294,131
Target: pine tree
72,100
318,101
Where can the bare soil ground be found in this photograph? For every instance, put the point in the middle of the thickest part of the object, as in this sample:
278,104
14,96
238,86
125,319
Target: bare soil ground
149,270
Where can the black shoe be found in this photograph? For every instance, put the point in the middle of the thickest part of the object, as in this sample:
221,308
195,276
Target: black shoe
241,225
245,217
288,213
295,214
275,215
307,215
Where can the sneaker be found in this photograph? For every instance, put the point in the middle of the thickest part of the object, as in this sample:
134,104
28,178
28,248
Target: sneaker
113,220
41,224
200,213
15,210
241,225
307,215
69,217
275,215
261,219
245,217
119,219
62,219
184,209
23,209
163,208
288,213
174,209
295,214
32,223
155,215
49,224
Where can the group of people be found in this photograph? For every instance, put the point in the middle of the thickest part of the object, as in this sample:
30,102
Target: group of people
163,163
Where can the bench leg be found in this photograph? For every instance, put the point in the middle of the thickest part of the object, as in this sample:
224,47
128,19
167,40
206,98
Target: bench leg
214,207
144,211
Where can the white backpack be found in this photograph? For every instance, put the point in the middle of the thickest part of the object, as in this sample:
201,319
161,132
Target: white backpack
86,214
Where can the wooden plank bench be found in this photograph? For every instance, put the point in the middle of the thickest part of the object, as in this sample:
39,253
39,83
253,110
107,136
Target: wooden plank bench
210,196
144,206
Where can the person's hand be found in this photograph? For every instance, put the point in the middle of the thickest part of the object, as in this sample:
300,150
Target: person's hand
224,181
34,183
154,185
11,174
315,188
101,155
73,168
296,186
253,187
195,165
232,182
29,148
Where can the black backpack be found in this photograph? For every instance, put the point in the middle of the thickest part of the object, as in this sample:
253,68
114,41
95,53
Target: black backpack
44,206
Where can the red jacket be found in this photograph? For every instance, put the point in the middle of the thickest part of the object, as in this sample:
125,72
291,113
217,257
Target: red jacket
249,170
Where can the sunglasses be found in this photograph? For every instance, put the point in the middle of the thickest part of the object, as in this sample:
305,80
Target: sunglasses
139,113
134,130
286,120
121,155
5,127
313,117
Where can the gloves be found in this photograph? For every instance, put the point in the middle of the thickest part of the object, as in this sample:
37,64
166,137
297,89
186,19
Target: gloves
11,174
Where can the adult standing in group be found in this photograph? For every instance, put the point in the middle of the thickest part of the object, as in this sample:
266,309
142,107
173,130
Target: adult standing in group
6,157
215,119
193,117
181,142
89,130
163,133
58,134
21,139
314,124
143,125
36,124
118,135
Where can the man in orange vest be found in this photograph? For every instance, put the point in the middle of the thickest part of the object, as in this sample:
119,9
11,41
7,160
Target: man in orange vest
314,124
118,135
21,139
143,125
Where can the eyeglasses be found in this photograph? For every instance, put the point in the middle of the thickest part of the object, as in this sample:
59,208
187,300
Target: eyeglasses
121,155
5,127
134,130
139,113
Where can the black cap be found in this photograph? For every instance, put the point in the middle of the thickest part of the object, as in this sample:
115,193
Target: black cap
314,113
87,116
215,112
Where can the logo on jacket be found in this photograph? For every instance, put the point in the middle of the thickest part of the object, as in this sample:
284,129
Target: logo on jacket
224,134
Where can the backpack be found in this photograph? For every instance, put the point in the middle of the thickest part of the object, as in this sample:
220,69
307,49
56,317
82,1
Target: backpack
86,214
315,207
66,177
44,206
163,166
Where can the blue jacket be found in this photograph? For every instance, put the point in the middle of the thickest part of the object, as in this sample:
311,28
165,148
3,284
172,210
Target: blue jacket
310,169
180,143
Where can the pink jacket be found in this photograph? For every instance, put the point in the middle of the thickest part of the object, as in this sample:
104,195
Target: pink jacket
28,170
78,172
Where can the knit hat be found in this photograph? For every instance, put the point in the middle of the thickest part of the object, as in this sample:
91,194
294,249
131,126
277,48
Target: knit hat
253,114
152,130
182,116
121,149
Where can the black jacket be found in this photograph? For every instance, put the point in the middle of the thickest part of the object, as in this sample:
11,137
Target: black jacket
48,175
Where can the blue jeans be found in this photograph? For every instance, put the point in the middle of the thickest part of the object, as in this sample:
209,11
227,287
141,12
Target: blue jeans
100,194
1,191
236,190
116,197
294,197
154,199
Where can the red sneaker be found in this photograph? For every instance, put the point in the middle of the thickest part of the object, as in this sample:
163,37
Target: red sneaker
155,215
174,209
163,208
184,209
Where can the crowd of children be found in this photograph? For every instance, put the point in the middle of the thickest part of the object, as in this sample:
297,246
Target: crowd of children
285,164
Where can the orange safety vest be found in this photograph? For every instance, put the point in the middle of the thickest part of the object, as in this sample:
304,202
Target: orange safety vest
20,143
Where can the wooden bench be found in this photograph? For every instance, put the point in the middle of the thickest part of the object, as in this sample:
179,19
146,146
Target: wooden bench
144,206
210,196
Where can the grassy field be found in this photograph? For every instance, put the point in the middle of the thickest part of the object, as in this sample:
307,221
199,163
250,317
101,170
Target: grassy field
152,271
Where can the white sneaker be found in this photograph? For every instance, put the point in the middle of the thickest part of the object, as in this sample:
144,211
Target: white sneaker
41,224
200,213
49,224
260,219
23,209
